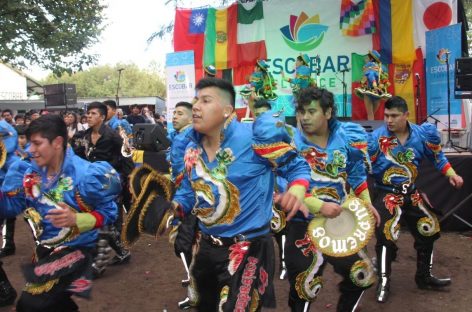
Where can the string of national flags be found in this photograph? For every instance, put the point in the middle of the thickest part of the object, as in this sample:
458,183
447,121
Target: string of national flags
234,37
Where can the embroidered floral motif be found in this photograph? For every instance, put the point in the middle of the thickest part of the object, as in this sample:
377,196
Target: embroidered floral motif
63,184
32,185
191,158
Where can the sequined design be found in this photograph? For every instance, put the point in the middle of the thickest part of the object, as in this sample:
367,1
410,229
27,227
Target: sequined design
307,284
393,204
37,289
429,225
362,271
214,191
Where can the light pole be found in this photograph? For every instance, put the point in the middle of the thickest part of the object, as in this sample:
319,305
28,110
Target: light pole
118,87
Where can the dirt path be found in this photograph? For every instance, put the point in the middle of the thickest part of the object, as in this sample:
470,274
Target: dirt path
151,282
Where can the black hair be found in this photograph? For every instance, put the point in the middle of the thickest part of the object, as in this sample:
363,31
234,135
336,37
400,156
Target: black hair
323,96
49,126
102,108
134,106
184,104
18,116
397,102
110,103
221,84
262,103
21,129
7,110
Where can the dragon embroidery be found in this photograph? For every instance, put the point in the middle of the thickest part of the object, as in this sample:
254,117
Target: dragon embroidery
212,186
404,161
307,284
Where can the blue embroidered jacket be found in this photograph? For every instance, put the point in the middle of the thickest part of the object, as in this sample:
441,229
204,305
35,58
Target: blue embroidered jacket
396,164
115,122
233,194
179,141
83,186
9,140
340,164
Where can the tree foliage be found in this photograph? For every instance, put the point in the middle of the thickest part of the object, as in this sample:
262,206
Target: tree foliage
468,13
53,34
102,81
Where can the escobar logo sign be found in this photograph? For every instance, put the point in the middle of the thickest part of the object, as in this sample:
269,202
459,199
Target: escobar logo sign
180,79
303,33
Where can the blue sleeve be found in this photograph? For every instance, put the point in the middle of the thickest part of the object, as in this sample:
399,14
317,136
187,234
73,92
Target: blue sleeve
432,147
358,157
272,141
125,124
185,196
99,187
12,198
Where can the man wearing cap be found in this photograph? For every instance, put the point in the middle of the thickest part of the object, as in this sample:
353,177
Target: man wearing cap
396,151
228,185
336,153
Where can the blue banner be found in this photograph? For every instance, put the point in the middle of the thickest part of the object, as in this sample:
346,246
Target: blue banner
443,46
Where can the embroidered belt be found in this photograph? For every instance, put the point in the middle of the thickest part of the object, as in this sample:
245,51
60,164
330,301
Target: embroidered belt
404,188
228,241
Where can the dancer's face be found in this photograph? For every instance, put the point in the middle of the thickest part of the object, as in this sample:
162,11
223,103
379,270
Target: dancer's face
395,119
45,152
312,118
210,110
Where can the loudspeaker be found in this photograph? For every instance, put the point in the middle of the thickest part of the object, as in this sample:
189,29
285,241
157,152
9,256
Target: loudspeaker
150,137
60,88
61,94
60,99
463,78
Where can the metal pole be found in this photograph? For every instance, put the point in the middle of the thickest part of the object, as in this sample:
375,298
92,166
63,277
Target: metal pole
118,87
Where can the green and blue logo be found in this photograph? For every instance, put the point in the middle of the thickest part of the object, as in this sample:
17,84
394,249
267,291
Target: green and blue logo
304,33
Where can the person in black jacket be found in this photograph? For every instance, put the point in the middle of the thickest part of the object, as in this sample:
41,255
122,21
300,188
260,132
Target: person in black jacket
101,143
135,117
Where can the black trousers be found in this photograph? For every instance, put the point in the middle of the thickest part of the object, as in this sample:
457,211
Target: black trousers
305,267
234,277
414,210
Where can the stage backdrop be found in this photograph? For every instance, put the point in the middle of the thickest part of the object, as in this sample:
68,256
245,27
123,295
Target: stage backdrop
313,27
441,43
180,73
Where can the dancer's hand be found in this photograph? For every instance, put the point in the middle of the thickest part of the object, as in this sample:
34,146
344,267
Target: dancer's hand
290,204
330,210
456,181
62,217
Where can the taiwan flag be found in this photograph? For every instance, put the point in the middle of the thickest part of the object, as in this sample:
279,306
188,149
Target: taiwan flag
189,32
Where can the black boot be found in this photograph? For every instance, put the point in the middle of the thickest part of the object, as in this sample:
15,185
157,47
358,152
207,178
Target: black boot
423,278
348,302
8,232
185,304
7,292
123,255
384,269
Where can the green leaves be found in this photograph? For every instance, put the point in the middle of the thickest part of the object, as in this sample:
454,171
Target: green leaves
52,34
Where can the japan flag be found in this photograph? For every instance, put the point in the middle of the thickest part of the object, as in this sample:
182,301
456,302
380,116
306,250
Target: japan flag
430,15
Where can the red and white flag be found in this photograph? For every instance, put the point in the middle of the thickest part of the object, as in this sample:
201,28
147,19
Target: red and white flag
430,15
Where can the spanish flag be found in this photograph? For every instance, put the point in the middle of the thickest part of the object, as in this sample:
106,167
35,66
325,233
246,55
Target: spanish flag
220,37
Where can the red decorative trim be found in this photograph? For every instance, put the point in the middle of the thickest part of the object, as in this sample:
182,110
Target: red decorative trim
98,219
302,182
446,168
361,188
